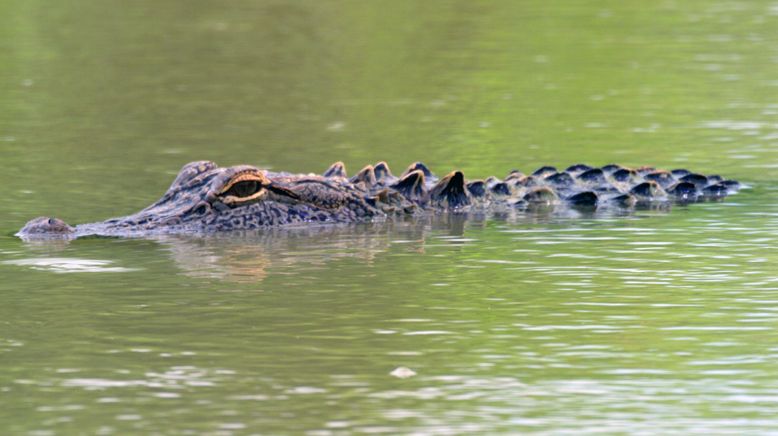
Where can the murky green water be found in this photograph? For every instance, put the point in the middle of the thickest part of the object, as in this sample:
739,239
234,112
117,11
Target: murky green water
654,322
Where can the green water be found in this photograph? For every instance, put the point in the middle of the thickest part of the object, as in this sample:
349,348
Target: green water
652,322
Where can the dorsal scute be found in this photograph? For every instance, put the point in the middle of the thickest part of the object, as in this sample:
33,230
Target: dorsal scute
451,191
699,180
585,198
419,166
563,179
338,169
477,188
366,176
594,175
649,190
577,168
664,178
411,185
500,189
611,168
382,172
514,175
540,195
544,171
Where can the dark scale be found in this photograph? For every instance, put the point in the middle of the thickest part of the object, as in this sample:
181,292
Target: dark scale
514,175
526,182
500,189
715,191
560,179
206,198
680,172
578,168
683,191
544,171
586,198
477,188
645,170
623,175
592,176
698,179
418,166
663,178
382,172
647,190
611,168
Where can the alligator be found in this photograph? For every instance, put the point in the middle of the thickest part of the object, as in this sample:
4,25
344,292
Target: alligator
206,198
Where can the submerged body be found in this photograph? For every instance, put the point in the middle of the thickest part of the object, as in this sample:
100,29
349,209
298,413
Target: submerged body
206,198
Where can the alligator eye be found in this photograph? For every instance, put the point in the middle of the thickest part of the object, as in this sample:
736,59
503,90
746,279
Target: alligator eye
246,188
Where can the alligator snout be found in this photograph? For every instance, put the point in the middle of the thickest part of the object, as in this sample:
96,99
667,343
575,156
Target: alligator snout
46,227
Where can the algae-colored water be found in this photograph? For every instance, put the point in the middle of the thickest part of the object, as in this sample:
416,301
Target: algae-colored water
652,322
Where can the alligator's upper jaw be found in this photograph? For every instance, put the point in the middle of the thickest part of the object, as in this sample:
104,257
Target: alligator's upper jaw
46,228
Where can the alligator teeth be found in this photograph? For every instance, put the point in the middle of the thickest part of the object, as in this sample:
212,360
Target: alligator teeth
338,169
451,191
411,185
366,175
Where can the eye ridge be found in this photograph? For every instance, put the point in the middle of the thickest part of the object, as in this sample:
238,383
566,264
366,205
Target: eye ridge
245,188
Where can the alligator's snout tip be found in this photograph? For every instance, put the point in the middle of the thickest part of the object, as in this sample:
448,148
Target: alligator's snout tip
46,227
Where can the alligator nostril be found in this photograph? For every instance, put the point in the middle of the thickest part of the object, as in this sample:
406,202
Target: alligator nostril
52,221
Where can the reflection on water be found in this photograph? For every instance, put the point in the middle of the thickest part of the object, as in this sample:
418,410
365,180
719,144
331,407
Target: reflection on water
68,265
247,256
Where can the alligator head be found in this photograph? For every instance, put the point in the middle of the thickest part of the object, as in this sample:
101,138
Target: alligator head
204,197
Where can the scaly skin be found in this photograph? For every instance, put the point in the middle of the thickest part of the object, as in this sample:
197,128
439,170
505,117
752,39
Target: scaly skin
205,198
